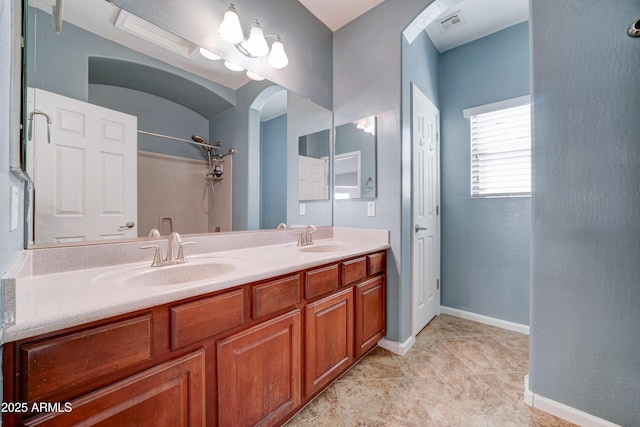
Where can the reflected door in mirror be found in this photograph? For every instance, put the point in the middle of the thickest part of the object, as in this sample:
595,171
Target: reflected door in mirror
313,166
84,170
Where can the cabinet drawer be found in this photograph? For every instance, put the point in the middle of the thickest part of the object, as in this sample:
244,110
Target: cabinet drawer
194,321
321,281
354,270
60,363
376,263
169,394
275,295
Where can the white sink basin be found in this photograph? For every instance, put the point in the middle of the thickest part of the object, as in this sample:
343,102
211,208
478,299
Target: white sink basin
321,248
146,276
175,274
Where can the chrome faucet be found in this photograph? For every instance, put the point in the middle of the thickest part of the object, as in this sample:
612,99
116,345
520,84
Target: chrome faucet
306,238
170,257
174,238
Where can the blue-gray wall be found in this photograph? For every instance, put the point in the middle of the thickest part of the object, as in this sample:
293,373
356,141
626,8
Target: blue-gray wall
273,172
585,282
420,66
62,64
367,69
157,115
485,242
316,145
232,128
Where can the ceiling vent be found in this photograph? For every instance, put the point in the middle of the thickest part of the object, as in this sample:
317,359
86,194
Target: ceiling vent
451,22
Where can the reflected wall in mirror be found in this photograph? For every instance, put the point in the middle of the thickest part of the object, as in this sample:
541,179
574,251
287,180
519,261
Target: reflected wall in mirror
355,160
93,68
313,166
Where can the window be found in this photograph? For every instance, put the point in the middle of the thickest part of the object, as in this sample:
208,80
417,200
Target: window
501,148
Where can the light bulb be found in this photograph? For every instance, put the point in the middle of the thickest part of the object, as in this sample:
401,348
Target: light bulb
254,76
232,66
278,57
230,29
256,44
209,55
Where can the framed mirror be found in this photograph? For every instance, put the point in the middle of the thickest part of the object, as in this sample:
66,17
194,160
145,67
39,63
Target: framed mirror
177,98
355,160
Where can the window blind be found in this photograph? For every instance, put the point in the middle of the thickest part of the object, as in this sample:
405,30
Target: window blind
501,153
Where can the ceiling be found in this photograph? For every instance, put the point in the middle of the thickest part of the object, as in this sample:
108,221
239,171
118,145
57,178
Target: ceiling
473,19
477,18
336,13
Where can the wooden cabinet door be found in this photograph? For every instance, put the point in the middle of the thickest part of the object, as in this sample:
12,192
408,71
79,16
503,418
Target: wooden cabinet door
259,373
329,339
370,314
170,394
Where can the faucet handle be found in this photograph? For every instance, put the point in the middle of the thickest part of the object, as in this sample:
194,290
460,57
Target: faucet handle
157,255
308,238
182,255
301,239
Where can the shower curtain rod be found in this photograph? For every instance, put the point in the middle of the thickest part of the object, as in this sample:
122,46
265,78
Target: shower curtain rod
208,146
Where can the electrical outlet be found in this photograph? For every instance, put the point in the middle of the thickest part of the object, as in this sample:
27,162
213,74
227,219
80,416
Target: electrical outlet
303,209
14,200
371,208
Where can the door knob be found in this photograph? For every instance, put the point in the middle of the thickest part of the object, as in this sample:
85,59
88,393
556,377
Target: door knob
419,228
128,225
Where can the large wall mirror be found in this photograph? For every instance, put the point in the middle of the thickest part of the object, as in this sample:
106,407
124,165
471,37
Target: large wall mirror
355,160
128,130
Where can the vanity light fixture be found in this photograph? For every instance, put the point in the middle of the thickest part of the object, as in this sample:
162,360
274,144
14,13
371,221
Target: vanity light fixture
254,76
233,67
209,55
368,125
256,45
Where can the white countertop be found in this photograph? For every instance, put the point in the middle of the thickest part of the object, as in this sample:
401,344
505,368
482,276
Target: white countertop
54,301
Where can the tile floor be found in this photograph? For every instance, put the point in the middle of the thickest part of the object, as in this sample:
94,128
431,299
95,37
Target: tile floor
458,373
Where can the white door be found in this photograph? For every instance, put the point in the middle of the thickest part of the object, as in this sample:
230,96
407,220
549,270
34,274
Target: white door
425,135
312,178
84,170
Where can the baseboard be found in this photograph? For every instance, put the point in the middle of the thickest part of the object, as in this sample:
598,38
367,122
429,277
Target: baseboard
561,410
504,324
396,347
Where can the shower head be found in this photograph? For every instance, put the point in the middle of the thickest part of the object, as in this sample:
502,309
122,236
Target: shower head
201,140
211,146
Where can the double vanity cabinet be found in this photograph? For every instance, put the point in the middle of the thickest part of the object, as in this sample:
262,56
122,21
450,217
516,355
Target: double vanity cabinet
252,354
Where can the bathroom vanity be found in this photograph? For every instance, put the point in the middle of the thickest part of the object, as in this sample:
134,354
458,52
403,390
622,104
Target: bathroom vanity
233,353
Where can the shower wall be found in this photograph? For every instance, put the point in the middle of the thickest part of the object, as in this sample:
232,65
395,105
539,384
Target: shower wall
173,195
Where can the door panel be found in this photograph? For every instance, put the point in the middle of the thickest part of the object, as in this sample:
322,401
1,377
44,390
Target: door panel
426,219
84,170
259,372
